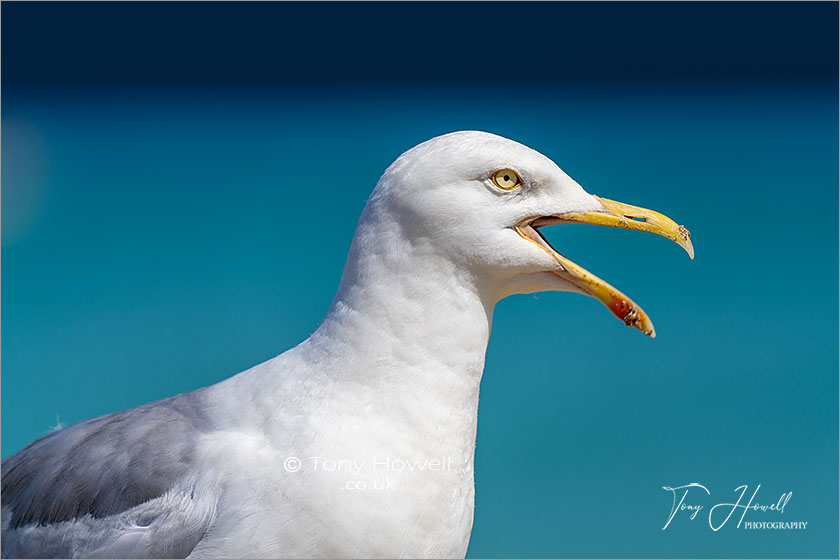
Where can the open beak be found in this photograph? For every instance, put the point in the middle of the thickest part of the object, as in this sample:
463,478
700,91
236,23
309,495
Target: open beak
615,214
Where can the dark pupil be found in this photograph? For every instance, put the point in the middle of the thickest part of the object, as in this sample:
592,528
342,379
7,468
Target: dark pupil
507,177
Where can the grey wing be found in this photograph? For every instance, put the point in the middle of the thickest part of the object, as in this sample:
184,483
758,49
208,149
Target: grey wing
96,488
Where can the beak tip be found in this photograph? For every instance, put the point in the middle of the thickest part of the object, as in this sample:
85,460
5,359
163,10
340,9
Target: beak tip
685,241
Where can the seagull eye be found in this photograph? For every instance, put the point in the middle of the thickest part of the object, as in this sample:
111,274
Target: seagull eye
506,179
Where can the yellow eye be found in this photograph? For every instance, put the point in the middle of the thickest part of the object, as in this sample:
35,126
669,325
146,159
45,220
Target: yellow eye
506,179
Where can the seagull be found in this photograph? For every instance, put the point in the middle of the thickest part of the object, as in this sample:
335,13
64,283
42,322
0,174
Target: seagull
359,442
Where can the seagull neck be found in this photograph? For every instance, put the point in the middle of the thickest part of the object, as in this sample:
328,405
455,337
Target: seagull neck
412,316
402,304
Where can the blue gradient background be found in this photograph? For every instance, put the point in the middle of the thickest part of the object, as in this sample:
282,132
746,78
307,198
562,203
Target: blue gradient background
162,164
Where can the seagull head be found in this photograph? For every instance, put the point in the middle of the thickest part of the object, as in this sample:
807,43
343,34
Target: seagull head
479,200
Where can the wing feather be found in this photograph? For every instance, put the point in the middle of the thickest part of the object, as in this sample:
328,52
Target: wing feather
101,468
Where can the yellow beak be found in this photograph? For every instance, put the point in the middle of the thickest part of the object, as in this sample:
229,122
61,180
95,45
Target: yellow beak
615,214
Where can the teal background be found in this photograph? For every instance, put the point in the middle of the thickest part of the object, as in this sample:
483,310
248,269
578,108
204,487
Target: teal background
153,225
